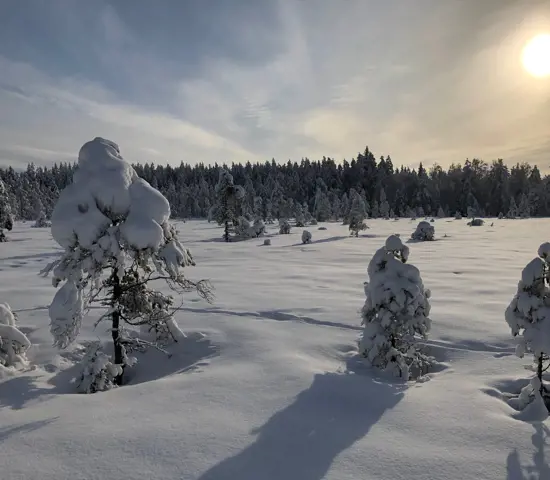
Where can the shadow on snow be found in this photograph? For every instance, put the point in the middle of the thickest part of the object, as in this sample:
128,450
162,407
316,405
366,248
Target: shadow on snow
539,469
301,441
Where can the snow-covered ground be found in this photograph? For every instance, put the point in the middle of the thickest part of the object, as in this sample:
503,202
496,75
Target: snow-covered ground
272,390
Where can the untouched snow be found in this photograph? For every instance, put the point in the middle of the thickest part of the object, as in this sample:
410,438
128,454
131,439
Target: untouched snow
265,386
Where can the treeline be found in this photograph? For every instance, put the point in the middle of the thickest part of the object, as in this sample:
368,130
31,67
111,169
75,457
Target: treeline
323,185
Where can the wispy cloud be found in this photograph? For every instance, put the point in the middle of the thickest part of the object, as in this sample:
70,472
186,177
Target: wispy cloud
423,81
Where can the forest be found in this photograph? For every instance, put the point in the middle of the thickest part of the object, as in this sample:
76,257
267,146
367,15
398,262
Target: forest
487,189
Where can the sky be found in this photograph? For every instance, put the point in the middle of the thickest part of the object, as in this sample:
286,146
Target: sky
249,80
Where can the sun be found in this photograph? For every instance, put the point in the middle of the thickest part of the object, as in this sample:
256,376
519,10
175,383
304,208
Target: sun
536,56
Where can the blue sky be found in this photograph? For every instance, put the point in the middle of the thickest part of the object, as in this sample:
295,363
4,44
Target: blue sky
238,80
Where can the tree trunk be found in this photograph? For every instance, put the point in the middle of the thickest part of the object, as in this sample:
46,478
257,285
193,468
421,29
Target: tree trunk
115,332
539,374
226,231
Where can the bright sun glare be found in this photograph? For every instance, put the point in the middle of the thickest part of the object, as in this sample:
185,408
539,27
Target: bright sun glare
536,56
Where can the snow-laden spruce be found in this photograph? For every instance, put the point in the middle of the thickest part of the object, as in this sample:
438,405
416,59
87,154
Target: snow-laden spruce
284,227
40,216
396,313
13,342
424,232
6,220
357,213
528,317
117,238
229,198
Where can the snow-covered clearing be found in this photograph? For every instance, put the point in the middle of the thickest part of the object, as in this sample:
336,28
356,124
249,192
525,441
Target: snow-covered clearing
271,392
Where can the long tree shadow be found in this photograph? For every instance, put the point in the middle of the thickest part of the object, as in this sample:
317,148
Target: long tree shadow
8,431
301,441
540,469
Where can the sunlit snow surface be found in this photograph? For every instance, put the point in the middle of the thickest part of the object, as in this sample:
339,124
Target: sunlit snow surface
265,386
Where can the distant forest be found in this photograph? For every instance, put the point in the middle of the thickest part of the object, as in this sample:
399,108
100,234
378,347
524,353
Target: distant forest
475,186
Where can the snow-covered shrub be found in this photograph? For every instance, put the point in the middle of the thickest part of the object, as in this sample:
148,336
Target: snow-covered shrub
395,314
242,228
476,222
500,216
322,228
528,317
424,232
313,222
13,342
117,238
99,373
458,215
284,227
306,237
39,215
267,242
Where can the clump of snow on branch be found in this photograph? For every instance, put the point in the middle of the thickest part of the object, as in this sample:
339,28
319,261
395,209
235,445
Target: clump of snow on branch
13,342
528,317
117,237
396,313
424,232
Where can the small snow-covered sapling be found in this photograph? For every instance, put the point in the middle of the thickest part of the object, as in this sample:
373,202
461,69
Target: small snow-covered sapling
396,313
528,317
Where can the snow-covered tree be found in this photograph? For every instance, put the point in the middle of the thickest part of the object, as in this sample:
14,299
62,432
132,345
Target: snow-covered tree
269,212
524,209
6,221
528,317
306,237
424,232
258,208
228,201
357,213
40,216
384,205
513,210
284,227
299,216
440,212
375,210
13,342
336,208
322,208
396,313
117,238
458,215
307,215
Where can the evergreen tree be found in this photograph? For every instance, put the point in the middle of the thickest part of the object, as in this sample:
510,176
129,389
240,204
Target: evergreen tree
115,230
513,210
524,209
395,320
527,316
384,205
228,202
357,214
322,208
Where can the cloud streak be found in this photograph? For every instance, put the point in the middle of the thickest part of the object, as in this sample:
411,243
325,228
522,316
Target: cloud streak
194,82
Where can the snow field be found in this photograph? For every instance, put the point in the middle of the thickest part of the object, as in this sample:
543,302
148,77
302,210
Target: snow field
273,390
